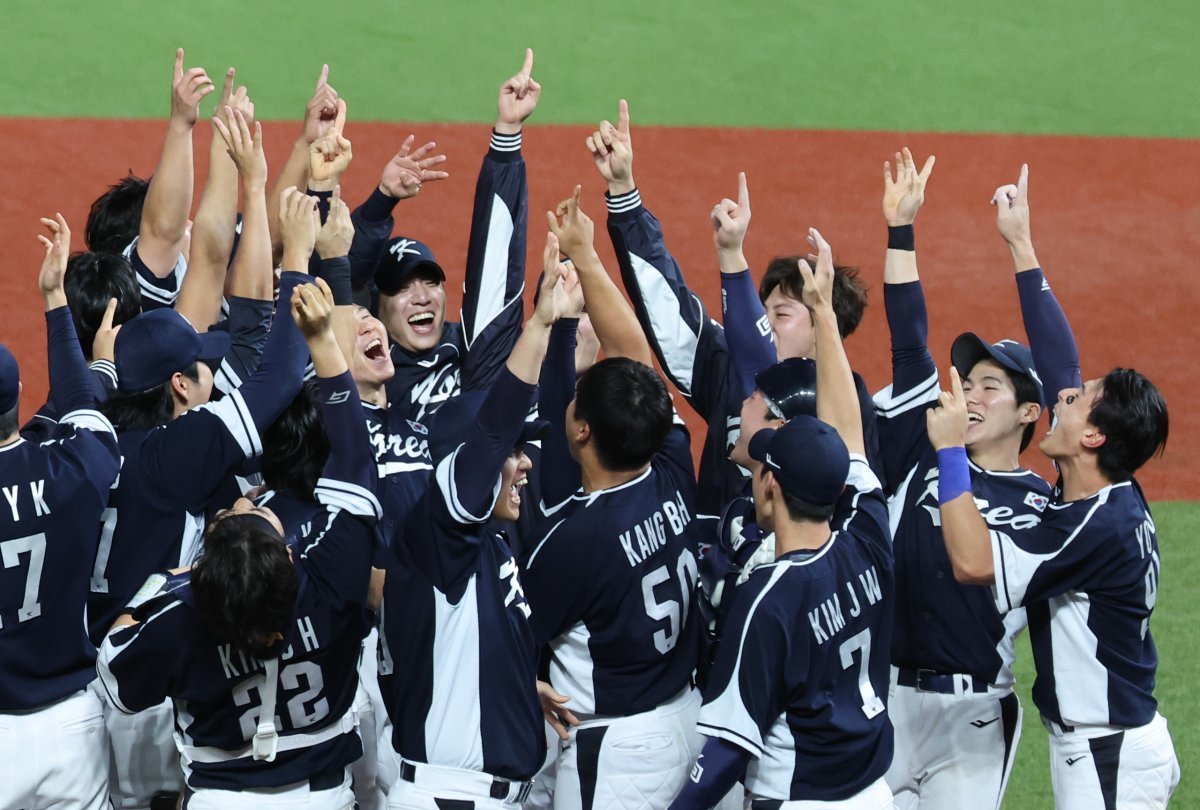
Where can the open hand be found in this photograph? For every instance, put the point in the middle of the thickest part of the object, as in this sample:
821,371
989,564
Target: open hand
243,142
406,172
904,194
818,284
553,710
58,250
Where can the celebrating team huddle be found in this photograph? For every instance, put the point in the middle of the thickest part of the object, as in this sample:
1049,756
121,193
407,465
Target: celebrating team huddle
283,536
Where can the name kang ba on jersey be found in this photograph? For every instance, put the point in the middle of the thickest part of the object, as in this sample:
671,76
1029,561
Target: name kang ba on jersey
827,620
238,665
650,535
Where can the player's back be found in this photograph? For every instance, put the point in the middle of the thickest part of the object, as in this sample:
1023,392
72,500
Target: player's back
54,494
825,617
613,586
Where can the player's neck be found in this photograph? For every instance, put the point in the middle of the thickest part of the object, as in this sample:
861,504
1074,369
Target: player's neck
1081,478
10,438
372,394
998,456
594,477
791,535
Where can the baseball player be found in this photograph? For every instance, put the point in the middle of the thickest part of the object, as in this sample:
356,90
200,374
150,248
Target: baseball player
178,449
257,642
53,750
956,718
147,222
463,699
1088,574
693,349
612,583
427,351
796,697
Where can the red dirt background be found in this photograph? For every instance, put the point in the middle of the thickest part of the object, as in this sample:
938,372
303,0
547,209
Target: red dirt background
1116,223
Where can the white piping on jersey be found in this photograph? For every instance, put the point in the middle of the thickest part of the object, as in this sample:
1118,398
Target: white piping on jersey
386,468
236,418
17,443
529,562
589,498
89,419
1102,495
1017,473
320,535
493,277
108,652
348,497
226,378
148,289
890,405
106,367
444,475
676,339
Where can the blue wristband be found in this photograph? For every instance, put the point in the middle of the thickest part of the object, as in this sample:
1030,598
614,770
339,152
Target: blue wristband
954,474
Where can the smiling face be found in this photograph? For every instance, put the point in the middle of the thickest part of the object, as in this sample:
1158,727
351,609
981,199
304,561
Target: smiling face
993,414
791,324
755,416
370,363
416,313
513,478
1071,431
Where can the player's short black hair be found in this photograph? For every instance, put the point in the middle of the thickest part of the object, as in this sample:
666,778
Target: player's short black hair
1132,415
849,292
10,421
92,279
116,215
244,583
628,410
1025,390
145,410
295,447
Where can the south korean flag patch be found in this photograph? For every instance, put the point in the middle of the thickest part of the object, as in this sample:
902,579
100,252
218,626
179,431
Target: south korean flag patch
1036,500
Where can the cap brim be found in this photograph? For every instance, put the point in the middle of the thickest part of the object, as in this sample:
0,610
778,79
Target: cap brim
534,430
214,346
968,349
760,443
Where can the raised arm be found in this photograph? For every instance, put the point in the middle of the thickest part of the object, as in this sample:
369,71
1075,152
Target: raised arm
615,323
163,231
837,397
70,382
1055,353
747,330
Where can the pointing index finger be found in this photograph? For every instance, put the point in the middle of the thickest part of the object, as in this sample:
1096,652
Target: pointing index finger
623,117
527,68
1023,184
178,64
323,79
339,122
743,191
956,388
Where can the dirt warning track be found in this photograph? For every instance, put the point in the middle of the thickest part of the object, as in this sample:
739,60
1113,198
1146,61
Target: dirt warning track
1116,223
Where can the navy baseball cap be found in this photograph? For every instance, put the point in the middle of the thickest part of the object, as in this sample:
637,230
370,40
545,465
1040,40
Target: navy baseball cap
453,421
969,349
808,457
405,258
10,380
790,387
156,344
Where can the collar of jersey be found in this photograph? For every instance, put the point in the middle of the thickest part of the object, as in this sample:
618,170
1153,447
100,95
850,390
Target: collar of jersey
596,493
1018,472
20,441
804,556
1102,495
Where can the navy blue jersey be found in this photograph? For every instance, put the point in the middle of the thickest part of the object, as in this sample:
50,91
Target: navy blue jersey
104,383
1088,578
940,624
458,666
217,691
403,465
54,493
157,293
802,672
474,351
613,588
248,323
692,350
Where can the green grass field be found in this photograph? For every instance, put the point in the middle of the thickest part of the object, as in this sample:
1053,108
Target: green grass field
1105,67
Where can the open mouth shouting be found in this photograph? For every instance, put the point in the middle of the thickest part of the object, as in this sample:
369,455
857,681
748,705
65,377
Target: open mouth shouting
422,323
514,492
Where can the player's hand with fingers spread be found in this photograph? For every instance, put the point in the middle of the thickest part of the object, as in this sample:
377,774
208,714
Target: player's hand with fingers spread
299,221
730,220
105,342
404,173
244,144
518,98
577,231
554,710
337,233
322,109
818,283
187,89
947,423
904,194
54,265
612,152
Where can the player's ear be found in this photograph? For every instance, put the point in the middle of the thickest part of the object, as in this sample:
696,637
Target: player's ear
180,386
1092,438
1030,413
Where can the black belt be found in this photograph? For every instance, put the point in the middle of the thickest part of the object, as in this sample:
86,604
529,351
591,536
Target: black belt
926,680
500,788
328,779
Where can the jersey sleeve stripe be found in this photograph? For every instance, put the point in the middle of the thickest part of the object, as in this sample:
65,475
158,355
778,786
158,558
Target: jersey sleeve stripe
889,405
444,473
110,652
861,476
235,416
348,498
90,420
676,338
624,202
731,736
226,379
506,143
105,367
1001,574
493,276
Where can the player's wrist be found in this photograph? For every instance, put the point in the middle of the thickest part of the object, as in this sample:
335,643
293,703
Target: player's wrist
954,473
901,237
502,127
295,259
732,260
617,187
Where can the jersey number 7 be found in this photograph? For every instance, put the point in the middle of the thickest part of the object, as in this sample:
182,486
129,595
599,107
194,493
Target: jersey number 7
871,705
10,552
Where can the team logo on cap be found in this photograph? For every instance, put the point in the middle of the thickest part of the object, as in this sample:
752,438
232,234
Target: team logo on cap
404,247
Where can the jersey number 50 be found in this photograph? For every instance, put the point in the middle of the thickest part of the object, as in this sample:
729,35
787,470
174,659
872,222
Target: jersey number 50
673,610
